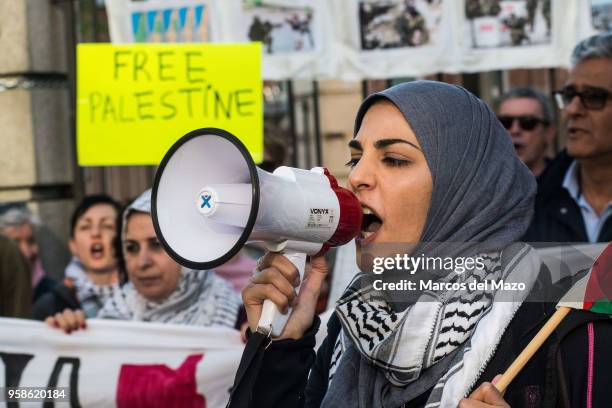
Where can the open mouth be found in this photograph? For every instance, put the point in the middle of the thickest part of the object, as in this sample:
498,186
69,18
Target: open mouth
518,147
97,251
370,225
573,132
518,144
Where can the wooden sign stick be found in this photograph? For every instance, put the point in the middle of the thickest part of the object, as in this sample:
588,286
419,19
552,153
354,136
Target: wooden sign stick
531,348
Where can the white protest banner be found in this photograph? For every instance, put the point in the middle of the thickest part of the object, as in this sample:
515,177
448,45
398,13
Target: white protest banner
122,364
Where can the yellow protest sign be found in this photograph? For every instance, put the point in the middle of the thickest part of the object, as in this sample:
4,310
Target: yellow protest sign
134,101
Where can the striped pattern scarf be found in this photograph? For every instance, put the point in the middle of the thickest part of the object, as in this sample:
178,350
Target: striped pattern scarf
201,299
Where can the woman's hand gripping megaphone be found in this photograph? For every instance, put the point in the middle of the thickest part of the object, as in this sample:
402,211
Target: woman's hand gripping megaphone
276,279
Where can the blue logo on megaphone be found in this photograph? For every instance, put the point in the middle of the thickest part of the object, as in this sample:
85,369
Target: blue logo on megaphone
205,201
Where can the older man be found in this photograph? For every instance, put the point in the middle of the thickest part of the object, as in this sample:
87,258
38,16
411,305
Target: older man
574,202
17,224
528,116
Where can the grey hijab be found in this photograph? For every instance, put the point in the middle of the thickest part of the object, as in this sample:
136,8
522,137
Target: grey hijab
482,197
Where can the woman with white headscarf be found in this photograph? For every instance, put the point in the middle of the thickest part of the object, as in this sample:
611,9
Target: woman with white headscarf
159,289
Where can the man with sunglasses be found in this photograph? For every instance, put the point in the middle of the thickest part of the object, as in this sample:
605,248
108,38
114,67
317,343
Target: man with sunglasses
574,201
528,117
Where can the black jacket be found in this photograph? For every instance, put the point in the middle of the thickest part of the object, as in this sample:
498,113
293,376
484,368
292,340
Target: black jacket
556,376
45,285
557,216
58,299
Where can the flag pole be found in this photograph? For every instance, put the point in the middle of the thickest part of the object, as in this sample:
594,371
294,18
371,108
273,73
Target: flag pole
531,348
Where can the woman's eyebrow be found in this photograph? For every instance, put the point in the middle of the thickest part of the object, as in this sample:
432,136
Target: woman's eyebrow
354,144
379,144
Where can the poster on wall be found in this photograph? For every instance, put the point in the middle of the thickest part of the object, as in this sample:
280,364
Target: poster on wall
519,34
281,28
295,35
155,21
507,23
601,14
396,38
385,24
169,23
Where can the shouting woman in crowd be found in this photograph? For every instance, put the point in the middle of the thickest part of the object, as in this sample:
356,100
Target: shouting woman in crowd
92,275
432,167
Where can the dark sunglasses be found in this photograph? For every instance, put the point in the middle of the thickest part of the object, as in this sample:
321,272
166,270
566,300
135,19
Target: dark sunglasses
525,122
591,98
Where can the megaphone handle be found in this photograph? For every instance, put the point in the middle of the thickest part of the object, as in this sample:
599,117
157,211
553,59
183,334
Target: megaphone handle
271,318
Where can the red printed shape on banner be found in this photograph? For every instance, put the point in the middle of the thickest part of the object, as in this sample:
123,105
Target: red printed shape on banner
158,386
598,294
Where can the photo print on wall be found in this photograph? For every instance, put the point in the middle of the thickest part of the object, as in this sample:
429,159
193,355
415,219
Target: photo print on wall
508,23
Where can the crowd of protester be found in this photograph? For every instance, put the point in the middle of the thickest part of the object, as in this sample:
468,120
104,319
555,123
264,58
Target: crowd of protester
119,270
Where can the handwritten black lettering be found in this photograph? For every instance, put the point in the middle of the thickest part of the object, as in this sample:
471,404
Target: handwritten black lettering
117,64
191,69
95,100
168,105
227,109
188,92
164,66
108,109
140,60
240,103
122,117
140,105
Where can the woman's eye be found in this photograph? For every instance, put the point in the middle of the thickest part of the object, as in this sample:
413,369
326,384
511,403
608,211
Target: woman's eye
84,227
393,162
352,163
110,227
131,248
155,245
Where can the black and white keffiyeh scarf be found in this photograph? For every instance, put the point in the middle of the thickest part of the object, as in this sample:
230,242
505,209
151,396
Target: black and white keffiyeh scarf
404,343
463,326
482,201
92,297
201,299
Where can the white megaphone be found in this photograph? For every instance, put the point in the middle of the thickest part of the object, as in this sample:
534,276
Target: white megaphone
209,199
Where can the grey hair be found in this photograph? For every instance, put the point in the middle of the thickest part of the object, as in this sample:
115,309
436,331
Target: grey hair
16,216
597,46
526,92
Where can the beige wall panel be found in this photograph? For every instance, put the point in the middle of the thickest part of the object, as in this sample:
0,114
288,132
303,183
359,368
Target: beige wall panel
52,136
17,158
13,36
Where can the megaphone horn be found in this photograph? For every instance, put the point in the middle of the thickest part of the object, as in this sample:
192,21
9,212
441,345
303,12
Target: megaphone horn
209,199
